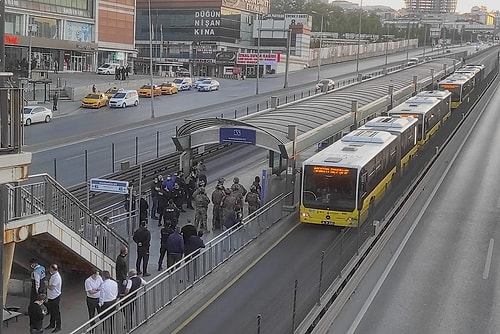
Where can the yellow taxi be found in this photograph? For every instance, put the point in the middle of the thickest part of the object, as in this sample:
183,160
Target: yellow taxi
94,100
145,91
169,88
112,91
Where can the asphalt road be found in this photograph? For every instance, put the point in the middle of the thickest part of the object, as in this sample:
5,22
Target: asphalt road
65,146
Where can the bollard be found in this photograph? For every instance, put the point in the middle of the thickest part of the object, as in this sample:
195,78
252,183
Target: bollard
112,157
235,114
258,107
294,96
274,102
286,99
247,110
437,149
302,94
55,169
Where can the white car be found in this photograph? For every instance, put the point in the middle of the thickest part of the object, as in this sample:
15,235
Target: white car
36,114
208,85
183,83
200,80
325,82
107,68
124,99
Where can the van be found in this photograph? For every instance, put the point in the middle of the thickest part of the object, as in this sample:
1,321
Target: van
107,68
124,99
183,83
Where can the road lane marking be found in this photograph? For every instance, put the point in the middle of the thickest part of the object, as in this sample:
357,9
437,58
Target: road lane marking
231,283
487,265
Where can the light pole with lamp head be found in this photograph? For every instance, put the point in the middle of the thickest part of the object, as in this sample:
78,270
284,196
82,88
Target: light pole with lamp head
259,29
151,60
359,36
320,44
31,29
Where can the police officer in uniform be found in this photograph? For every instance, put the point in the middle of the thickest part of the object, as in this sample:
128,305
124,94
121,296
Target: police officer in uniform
142,237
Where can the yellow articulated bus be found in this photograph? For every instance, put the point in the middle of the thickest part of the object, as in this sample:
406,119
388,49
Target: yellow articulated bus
405,128
444,96
459,85
342,183
429,112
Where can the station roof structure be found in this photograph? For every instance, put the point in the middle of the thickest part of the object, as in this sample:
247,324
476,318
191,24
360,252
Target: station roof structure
316,117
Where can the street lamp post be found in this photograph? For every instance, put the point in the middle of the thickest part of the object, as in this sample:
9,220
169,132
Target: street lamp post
31,29
151,60
320,44
259,29
359,36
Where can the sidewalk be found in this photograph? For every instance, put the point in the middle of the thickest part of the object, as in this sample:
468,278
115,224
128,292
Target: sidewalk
73,306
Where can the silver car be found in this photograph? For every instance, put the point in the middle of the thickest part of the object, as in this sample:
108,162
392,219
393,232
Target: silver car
208,85
36,114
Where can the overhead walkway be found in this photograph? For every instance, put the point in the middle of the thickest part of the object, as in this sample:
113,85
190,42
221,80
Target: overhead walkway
46,219
316,118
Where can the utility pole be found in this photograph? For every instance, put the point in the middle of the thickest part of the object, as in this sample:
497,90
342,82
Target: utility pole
359,36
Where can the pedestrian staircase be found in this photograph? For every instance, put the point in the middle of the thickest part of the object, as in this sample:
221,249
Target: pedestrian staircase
43,210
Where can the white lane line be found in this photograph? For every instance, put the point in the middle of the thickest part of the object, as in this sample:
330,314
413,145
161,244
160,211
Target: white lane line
79,156
487,265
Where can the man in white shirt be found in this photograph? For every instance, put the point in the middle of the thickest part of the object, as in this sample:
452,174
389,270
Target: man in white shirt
92,288
54,287
108,293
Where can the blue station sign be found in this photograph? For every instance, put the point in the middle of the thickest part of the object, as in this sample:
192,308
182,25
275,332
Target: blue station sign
237,135
109,186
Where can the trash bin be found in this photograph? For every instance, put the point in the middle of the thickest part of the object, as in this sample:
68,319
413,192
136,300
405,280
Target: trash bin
124,165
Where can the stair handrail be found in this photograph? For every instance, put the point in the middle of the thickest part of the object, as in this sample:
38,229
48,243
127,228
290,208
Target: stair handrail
85,223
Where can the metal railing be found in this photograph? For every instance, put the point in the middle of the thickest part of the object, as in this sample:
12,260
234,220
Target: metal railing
130,312
41,194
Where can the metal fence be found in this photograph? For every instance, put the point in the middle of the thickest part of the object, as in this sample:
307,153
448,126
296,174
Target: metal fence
131,312
41,194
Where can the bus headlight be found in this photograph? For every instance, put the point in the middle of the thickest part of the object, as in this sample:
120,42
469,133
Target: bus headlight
305,215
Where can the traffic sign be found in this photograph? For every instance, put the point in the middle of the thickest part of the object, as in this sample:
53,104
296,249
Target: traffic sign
109,186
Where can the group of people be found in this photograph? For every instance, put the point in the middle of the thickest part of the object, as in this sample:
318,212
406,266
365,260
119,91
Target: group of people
45,297
169,194
121,73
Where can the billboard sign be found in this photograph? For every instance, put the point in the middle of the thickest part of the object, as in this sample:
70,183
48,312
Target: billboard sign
251,58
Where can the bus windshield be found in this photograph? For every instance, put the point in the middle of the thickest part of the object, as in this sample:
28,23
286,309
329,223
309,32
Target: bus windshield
329,188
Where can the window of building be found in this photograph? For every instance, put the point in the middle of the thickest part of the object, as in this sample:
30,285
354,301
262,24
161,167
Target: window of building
13,23
47,28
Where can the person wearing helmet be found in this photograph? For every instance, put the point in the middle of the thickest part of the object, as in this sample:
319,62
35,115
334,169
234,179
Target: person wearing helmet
217,195
201,202
227,203
239,190
253,200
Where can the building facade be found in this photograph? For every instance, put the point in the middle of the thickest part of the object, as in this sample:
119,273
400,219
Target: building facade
204,37
432,6
71,35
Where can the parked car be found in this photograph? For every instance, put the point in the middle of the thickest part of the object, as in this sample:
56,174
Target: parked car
182,72
208,85
183,83
145,90
124,99
107,68
200,80
169,88
36,114
94,100
325,82
111,91
412,61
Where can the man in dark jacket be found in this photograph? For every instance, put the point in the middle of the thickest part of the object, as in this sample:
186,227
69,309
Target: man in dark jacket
167,230
143,208
171,214
122,270
175,247
36,314
234,218
155,189
142,237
